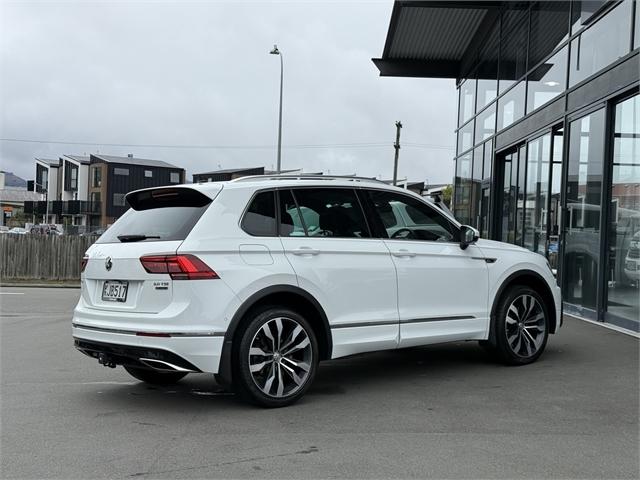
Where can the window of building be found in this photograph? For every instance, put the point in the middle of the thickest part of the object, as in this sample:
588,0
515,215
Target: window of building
74,178
583,11
601,44
623,300
636,34
511,106
487,72
555,207
406,218
462,190
536,194
118,200
476,185
548,30
148,173
96,177
94,197
513,45
121,171
291,224
485,124
583,205
174,177
467,101
485,194
547,81
331,212
465,137
260,218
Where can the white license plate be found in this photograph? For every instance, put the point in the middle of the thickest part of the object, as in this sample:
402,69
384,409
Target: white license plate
115,291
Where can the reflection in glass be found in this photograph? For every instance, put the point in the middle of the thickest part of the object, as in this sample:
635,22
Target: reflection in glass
513,45
462,189
485,124
476,186
601,44
547,81
518,188
485,194
555,212
636,34
584,188
467,101
487,72
511,106
511,195
549,28
465,137
624,234
537,191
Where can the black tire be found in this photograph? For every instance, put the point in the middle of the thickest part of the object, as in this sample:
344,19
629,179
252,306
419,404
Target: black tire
154,377
263,385
520,327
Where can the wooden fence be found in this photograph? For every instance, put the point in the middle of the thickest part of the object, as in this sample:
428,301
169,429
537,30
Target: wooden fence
42,257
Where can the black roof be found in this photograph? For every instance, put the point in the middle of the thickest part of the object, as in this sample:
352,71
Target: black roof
96,158
49,161
78,158
229,170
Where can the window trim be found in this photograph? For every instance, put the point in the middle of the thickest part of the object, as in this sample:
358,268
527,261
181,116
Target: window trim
246,210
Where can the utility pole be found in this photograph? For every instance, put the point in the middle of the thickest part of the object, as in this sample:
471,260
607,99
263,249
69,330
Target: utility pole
397,148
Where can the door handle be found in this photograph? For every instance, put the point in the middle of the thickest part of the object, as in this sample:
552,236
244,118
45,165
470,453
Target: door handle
305,251
403,252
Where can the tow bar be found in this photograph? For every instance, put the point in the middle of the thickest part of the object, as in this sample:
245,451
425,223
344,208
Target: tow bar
106,361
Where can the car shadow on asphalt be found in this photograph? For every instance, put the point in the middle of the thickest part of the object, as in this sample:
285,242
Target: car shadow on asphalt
363,373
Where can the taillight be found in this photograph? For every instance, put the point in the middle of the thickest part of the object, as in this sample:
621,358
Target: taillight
180,267
83,263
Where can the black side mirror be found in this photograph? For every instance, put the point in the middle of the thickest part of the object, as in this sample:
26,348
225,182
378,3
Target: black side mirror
468,235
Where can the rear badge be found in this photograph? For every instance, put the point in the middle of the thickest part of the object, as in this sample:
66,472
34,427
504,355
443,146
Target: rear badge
108,264
161,285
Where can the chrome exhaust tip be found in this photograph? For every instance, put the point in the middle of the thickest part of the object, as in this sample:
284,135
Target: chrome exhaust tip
162,365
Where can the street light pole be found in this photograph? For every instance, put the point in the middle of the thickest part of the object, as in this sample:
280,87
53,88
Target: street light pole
275,51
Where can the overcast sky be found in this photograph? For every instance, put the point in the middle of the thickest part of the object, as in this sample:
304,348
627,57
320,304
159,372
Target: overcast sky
200,73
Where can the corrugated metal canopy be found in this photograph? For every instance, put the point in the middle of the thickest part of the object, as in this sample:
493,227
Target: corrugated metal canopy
430,38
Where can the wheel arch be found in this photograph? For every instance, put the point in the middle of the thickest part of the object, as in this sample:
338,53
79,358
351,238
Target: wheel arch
281,295
531,279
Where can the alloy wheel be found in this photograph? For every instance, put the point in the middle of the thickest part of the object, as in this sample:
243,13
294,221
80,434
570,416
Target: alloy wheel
525,325
280,357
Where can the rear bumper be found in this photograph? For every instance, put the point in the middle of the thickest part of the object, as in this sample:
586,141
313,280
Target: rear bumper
200,353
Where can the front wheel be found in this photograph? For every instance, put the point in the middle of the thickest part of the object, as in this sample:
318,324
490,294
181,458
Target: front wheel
276,358
154,377
521,326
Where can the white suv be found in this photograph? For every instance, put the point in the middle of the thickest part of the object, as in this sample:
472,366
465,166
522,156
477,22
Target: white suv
258,279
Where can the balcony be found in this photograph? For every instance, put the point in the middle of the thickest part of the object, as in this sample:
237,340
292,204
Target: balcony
58,207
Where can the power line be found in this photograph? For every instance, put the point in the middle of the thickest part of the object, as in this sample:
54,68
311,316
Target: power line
228,147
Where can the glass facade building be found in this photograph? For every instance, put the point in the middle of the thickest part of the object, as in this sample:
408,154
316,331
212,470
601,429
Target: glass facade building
548,135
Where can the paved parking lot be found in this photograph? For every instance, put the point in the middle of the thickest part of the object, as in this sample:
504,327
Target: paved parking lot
444,411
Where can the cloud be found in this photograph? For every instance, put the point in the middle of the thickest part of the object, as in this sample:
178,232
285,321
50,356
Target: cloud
200,74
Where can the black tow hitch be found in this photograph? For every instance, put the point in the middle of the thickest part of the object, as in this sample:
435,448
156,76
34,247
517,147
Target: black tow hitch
105,360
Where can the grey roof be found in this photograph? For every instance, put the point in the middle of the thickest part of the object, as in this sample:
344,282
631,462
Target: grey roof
49,161
134,161
18,195
79,159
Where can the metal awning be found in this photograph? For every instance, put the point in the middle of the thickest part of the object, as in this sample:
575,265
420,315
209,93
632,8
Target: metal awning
431,38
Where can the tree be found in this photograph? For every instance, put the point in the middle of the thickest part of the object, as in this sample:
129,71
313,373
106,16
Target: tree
446,195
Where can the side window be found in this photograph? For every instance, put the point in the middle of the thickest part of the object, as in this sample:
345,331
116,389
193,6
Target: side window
290,221
331,212
260,218
407,218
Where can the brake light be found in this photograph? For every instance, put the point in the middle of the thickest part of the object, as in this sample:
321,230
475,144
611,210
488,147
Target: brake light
83,263
179,267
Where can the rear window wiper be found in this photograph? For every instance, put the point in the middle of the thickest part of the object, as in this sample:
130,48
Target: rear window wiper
135,238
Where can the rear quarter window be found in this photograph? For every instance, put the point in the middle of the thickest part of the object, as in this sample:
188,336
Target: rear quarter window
260,218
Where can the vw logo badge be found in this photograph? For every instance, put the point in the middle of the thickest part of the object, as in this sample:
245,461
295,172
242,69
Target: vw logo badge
108,263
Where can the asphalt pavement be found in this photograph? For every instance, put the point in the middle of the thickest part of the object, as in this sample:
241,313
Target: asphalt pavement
445,411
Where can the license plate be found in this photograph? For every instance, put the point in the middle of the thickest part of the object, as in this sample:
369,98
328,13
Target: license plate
115,291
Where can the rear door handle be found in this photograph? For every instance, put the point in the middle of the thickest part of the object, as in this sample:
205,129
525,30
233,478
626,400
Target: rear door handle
403,252
305,251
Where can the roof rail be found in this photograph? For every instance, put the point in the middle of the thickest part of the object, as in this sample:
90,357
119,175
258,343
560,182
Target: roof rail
254,178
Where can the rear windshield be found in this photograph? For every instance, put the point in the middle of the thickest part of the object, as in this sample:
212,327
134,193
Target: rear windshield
164,217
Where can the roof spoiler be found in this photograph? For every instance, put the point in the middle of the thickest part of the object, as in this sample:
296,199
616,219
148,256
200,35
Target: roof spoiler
166,197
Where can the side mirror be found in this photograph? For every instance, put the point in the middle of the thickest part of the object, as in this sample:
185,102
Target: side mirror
468,235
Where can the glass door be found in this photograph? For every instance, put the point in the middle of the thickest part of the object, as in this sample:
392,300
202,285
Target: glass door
554,209
582,236
623,276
